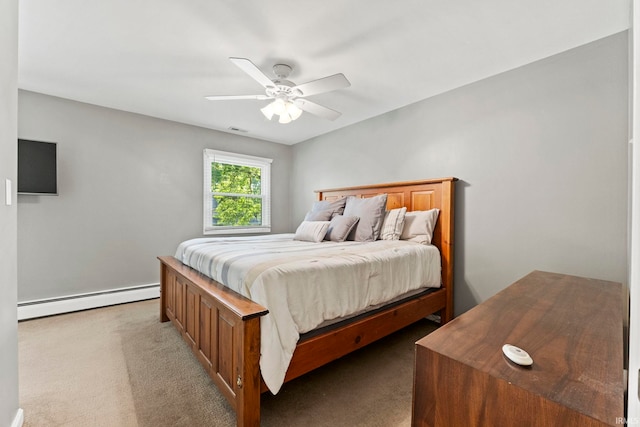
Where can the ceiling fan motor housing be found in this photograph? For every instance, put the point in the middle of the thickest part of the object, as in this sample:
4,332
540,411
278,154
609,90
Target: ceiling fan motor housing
282,89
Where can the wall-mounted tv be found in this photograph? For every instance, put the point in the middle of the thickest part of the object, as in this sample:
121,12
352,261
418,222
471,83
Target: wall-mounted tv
37,167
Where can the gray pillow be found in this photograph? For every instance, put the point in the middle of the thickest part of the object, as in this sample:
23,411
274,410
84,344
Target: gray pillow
324,210
371,212
339,228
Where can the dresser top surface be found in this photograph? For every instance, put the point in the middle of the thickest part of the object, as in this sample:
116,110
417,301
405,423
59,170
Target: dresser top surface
570,326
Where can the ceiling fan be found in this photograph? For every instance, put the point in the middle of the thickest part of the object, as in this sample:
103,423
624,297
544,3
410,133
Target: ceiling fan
288,98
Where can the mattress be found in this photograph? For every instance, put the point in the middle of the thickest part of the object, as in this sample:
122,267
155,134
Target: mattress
305,284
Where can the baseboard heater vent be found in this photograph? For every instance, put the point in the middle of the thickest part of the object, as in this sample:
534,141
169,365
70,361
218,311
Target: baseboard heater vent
71,303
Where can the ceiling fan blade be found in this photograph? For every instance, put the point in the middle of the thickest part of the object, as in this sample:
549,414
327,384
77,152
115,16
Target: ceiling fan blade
230,97
316,109
325,84
250,68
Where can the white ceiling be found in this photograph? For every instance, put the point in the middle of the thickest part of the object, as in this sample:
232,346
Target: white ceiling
161,57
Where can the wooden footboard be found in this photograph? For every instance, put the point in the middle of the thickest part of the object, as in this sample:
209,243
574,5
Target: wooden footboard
222,328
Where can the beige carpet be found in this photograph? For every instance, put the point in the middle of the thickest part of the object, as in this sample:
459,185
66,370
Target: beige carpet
119,366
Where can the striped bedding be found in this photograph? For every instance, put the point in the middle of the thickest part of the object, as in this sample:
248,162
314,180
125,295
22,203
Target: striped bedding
304,284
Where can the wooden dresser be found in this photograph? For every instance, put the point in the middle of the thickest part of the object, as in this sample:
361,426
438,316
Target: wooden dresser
571,327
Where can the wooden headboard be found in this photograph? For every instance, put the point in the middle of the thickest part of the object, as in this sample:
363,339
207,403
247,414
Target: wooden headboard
416,196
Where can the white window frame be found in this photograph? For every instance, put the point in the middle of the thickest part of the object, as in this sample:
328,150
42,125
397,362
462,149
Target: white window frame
215,156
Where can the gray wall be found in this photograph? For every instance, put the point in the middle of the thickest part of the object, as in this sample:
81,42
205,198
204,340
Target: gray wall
541,154
130,189
8,214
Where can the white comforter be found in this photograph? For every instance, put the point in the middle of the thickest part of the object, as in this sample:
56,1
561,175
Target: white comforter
303,284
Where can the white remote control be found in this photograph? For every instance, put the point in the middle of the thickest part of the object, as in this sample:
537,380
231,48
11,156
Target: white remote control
517,355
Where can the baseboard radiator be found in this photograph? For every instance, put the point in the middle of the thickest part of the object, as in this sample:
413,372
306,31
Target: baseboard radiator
71,303
19,419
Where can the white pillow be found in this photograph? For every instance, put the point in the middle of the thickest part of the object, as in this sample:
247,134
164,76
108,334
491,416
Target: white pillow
393,224
419,226
312,231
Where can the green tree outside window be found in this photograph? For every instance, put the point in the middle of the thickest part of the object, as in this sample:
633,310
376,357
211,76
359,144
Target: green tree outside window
237,194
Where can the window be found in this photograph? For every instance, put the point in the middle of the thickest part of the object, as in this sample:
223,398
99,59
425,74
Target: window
236,193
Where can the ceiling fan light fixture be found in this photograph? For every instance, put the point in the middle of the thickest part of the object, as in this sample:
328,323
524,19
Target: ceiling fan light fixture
285,118
285,109
279,106
293,111
268,111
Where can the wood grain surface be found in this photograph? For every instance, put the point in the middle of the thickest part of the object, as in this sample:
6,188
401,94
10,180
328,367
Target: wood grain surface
571,327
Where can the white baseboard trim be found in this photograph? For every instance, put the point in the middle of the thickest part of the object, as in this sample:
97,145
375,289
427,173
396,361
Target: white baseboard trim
68,304
19,419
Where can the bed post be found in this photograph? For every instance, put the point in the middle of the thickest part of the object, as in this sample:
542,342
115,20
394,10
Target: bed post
163,293
446,250
247,387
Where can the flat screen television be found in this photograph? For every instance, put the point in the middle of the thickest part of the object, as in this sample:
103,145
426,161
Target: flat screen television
37,167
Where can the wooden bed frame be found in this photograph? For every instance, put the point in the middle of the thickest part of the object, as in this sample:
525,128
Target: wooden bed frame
223,328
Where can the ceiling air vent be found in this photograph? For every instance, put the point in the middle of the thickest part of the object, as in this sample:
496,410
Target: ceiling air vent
234,129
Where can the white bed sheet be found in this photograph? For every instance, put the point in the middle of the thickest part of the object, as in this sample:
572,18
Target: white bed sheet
303,284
